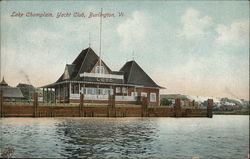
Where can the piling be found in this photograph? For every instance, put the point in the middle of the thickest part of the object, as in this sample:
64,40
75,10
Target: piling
210,108
35,105
81,112
177,107
144,107
111,111
1,103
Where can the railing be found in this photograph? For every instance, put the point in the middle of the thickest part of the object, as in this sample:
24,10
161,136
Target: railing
99,75
125,98
103,97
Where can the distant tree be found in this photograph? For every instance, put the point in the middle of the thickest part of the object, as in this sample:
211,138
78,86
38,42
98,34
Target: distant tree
165,101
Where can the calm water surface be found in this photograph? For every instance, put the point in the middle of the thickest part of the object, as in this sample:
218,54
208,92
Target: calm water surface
219,137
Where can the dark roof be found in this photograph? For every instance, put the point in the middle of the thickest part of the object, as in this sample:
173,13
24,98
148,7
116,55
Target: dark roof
3,83
11,92
84,62
87,59
69,72
134,74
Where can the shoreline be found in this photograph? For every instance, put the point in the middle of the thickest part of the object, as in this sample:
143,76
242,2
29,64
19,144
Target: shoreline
233,112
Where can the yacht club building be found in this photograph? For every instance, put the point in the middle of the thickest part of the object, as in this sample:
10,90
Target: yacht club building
89,75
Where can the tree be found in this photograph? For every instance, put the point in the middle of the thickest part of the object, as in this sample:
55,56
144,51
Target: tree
165,101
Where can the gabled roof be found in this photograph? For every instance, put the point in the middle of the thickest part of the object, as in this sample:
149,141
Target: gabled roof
84,62
11,92
134,74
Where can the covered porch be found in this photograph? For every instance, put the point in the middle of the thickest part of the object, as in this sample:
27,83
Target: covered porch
69,92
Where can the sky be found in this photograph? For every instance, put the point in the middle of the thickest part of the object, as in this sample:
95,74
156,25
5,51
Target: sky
198,48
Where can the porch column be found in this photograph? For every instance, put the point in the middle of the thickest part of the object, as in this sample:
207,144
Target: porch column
55,94
127,90
70,87
79,88
63,93
59,93
49,95
46,95
97,91
43,95
83,89
110,90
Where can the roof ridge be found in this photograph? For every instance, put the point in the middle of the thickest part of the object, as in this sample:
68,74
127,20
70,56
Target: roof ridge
130,71
144,73
83,62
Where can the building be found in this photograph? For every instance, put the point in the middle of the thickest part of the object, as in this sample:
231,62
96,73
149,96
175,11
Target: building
89,75
10,93
27,90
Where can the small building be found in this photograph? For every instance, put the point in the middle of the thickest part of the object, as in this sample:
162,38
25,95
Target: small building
10,93
27,90
186,102
89,75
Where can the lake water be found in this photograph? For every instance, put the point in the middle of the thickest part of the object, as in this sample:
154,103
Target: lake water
218,137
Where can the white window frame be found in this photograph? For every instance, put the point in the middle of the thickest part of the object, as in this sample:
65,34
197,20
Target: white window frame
134,94
151,98
144,94
124,90
102,71
97,69
118,89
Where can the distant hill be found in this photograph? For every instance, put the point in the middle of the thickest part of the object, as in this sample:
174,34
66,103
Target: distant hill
201,99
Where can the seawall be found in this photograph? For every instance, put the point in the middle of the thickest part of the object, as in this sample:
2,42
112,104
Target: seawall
99,111
110,110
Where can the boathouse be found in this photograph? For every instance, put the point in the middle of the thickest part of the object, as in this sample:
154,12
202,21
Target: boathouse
10,93
88,74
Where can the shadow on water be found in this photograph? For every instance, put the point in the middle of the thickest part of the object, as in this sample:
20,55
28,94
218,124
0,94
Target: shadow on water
85,137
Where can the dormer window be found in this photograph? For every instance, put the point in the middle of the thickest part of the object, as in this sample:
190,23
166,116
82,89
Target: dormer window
102,69
99,69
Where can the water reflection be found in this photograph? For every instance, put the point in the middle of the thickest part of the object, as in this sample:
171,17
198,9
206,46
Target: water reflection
219,137
108,137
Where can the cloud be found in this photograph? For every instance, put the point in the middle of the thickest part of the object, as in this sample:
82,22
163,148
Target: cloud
194,26
237,33
133,30
41,37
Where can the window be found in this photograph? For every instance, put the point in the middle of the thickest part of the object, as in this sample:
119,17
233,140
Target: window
152,97
134,94
72,89
118,90
124,90
143,94
91,91
97,69
76,89
111,92
102,69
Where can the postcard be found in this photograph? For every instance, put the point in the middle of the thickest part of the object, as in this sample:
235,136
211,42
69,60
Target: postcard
124,79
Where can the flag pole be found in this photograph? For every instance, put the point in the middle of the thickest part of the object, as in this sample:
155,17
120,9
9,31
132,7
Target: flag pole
100,51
